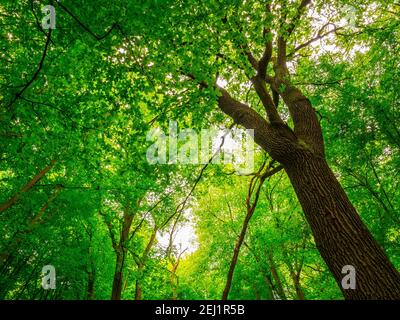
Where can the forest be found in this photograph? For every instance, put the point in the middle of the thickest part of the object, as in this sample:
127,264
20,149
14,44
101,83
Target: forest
199,150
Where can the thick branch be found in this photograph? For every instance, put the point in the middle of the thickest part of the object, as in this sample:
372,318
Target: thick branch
275,138
261,88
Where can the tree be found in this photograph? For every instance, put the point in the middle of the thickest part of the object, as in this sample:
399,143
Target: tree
317,81
339,232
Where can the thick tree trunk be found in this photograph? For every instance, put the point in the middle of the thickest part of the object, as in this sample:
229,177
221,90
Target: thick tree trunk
339,233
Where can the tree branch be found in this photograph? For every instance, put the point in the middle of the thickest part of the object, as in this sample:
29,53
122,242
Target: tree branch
97,37
35,75
319,36
266,57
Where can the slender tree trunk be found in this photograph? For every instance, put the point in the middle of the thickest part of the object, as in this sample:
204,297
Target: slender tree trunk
174,279
251,206
141,263
296,282
339,233
90,286
138,284
266,275
270,288
120,252
117,282
299,290
4,206
295,269
275,276
235,256
138,290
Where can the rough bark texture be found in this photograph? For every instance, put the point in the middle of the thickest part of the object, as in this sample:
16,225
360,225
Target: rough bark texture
339,233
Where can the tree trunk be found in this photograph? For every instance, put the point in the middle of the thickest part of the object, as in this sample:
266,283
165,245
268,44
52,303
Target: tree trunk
251,207
117,283
120,252
91,282
275,276
296,282
270,288
297,285
4,206
138,290
340,235
235,256
299,290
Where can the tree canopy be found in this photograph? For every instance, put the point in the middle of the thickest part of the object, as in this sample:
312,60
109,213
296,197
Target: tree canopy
317,82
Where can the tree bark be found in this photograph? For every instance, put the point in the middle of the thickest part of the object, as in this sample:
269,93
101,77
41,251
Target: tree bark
138,290
340,235
270,288
117,282
296,282
120,251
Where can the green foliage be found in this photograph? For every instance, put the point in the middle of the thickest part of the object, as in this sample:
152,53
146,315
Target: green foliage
93,102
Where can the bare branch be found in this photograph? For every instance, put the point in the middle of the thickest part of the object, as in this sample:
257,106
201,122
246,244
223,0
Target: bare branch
86,28
320,35
35,75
